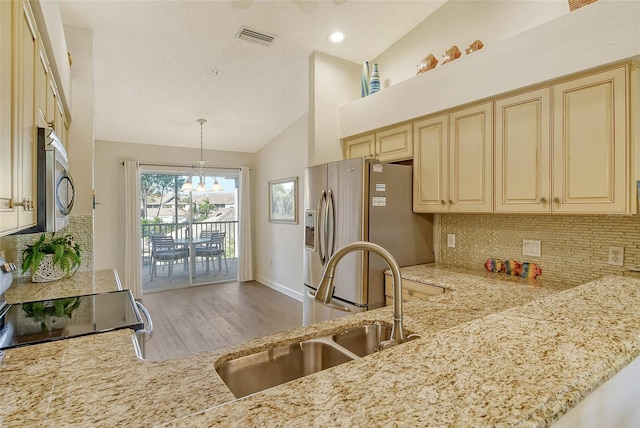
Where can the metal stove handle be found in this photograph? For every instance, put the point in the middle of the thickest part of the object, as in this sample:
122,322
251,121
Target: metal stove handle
148,330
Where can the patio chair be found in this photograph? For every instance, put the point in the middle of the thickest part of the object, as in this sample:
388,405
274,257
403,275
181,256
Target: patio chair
213,248
163,249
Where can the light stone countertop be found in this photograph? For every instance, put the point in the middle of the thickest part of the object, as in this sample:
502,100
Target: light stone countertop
497,351
82,283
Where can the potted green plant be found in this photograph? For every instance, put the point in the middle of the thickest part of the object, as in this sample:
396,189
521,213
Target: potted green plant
51,259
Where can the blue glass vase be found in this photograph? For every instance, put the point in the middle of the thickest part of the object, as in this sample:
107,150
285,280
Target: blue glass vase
374,81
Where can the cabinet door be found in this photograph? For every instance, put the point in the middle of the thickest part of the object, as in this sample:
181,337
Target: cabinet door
590,150
58,124
24,69
42,83
522,157
8,215
471,159
357,147
431,165
395,144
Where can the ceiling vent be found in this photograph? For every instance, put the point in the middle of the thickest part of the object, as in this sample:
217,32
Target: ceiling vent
256,36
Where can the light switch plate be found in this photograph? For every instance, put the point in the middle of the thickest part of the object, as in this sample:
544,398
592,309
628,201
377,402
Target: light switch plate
531,248
451,240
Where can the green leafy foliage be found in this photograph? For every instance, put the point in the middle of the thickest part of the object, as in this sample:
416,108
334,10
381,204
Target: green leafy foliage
41,311
66,253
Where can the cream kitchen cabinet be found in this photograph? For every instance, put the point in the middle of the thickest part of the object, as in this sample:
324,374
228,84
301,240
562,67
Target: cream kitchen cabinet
8,214
591,156
387,145
431,164
411,290
43,75
18,112
453,161
360,146
522,153
24,112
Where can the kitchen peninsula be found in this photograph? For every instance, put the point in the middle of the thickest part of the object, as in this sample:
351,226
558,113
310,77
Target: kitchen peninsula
496,351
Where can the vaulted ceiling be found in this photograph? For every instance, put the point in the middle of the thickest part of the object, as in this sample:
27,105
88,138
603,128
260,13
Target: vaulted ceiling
160,65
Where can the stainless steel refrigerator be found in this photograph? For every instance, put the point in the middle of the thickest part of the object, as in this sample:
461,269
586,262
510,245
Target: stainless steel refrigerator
359,200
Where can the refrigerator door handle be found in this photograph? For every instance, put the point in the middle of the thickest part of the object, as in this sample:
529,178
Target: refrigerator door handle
312,294
322,201
331,233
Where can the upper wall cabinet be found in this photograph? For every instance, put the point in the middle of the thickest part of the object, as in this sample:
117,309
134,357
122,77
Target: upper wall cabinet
453,161
590,144
26,97
387,145
8,213
522,153
362,146
471,159
431,164
24,112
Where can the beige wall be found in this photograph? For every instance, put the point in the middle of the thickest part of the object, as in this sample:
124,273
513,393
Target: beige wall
460,23
278,247
109,184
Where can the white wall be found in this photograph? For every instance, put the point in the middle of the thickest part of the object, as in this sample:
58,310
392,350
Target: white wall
333,82
460,23
81,135
278,247
109,184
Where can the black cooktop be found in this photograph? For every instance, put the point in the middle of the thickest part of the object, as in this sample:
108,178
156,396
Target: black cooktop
47,320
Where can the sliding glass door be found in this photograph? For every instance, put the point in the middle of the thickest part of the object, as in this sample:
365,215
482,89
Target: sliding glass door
189,228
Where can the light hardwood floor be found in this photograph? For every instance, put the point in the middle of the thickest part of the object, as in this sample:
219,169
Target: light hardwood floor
199,319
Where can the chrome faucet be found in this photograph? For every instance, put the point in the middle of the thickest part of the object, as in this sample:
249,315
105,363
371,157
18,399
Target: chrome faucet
325,288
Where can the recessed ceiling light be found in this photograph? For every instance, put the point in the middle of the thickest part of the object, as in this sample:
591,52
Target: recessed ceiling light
336,37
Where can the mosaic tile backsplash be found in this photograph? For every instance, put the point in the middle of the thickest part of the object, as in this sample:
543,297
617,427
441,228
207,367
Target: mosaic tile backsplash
80,227
574,249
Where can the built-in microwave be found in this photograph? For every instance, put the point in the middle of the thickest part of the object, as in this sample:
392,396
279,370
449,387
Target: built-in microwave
55,187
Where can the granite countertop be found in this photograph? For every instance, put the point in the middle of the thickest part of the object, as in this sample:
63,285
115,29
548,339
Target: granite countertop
82,283
496,351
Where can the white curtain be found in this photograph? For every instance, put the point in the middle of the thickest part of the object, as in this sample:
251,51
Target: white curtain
245,266
132,275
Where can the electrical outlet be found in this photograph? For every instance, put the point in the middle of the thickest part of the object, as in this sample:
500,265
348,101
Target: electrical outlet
616,256
531,247
451,240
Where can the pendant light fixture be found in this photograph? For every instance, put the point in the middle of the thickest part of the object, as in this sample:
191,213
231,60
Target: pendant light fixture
188,185
216,187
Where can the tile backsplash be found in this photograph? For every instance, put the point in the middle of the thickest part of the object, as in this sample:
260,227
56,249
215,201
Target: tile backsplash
574,249
80,227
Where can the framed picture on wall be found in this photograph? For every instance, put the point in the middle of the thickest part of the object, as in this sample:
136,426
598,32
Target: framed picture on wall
283,200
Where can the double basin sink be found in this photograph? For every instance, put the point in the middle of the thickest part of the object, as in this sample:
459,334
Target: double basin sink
277,365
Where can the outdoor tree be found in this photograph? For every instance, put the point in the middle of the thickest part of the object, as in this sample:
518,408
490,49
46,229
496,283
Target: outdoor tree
152,184
206,207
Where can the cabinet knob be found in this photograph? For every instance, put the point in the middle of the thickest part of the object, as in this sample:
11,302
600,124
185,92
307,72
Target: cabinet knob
442,202
543,200
450,201
556,200
410,292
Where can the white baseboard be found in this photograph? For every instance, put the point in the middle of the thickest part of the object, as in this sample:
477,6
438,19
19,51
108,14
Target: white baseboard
280,288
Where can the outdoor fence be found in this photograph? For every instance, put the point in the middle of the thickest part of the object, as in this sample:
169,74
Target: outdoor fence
185,230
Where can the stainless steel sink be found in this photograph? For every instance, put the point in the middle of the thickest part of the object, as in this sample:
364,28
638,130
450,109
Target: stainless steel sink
265,369
277,365
363,340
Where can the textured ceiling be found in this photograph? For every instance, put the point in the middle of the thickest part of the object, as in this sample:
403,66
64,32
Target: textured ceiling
153,63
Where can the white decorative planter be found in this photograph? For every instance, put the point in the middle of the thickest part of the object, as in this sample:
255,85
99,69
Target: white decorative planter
47,271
